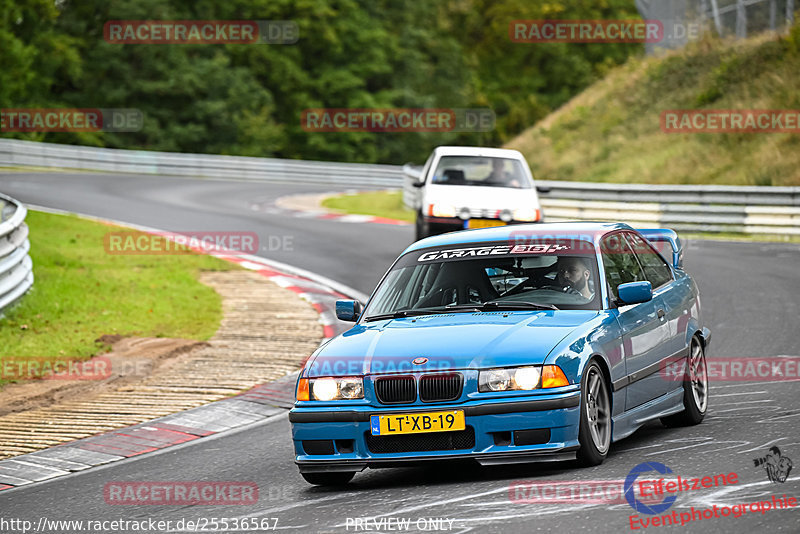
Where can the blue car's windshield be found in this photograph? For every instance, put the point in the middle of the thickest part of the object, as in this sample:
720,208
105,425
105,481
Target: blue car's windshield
546,275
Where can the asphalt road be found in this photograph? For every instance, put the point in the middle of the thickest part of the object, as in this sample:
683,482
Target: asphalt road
749,292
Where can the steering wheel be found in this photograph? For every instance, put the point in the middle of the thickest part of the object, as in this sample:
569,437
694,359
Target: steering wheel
567,289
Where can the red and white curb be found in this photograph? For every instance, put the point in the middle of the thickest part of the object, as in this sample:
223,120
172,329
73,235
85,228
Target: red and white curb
321,296
257,404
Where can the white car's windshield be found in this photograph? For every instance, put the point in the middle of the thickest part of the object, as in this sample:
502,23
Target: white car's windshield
489,276
473,170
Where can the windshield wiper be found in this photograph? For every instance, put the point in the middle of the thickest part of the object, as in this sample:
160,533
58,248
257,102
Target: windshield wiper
401,313
517,305
492,304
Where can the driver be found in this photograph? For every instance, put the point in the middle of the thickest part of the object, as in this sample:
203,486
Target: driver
574,272
500,176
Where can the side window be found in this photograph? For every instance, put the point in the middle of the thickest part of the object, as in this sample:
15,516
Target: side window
619,262
655,268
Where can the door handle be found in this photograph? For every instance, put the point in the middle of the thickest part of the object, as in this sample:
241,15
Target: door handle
661,313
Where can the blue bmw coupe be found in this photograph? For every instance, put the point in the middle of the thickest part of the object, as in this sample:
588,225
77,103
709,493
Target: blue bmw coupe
509,344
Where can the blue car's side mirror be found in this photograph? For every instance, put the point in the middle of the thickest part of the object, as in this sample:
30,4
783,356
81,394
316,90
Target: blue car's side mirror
635,292
348,310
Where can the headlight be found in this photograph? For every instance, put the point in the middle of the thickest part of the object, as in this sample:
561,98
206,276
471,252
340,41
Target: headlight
526,214
442,210
521,378
328,389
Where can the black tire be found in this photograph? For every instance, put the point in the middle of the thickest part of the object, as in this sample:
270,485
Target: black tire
329,479
695,389
594,432
421,228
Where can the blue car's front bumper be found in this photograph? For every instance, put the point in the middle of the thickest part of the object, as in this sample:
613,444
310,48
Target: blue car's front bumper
500,430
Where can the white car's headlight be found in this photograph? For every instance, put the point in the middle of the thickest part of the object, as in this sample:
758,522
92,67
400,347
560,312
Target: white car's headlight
328,389
521,378
526,214
443,210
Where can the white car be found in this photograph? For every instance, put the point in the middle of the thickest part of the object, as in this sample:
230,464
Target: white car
473,187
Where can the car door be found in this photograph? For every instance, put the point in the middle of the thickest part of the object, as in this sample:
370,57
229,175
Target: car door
671,307
644,332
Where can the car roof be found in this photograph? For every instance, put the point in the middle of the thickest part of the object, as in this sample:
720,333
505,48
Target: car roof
583,231
478,151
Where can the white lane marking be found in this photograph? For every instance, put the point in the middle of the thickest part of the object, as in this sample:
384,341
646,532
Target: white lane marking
712,442
250,265
761,447
748,402
709,500
739,394
309,502
776,417
355,218
765,408
757,383
704,439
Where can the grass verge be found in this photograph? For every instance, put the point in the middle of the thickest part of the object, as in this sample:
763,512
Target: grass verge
388,204
611,132
81,292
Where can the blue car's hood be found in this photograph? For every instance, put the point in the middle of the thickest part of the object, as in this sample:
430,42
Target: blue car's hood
453,341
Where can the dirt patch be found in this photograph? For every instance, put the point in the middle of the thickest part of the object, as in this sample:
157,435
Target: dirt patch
131,359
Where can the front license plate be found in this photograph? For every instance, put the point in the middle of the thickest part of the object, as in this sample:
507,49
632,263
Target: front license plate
417,423
484,223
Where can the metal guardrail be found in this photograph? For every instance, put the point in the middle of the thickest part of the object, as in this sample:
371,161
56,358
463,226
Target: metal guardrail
14,153
692,208
16,267
703,208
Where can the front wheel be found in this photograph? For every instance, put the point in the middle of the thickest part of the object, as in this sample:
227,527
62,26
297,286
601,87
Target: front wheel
695,389
594,433
329,479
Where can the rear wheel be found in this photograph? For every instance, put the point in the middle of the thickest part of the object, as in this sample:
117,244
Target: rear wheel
594,433
695,389
329,479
